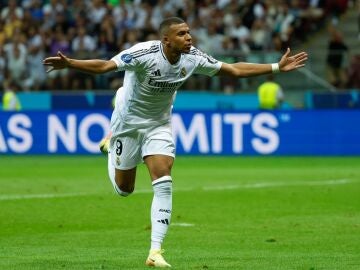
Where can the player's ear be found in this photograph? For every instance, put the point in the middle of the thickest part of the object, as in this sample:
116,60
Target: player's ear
165,40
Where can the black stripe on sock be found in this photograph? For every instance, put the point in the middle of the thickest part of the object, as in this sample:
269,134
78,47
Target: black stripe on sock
165,181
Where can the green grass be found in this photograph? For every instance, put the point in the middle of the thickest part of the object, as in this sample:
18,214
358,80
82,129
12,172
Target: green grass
247,213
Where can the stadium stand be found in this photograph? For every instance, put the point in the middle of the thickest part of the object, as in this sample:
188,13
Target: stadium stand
32,29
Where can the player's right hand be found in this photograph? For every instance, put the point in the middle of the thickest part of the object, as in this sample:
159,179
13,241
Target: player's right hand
56,62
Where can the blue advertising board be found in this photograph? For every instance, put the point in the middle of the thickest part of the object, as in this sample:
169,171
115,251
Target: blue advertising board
62,132
324,132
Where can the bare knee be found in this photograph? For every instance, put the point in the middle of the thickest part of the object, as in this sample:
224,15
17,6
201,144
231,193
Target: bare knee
159,165
160,172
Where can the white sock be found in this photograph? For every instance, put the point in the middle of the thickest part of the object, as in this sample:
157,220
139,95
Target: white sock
161,210
111,171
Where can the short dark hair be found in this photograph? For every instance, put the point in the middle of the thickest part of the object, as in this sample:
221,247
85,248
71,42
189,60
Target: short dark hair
166,23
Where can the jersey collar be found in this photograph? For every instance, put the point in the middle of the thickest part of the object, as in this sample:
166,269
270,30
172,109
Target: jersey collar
162,51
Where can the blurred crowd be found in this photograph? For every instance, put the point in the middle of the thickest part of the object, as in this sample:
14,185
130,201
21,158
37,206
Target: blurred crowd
231,30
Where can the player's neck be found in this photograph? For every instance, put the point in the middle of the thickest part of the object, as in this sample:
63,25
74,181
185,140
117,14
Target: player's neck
171,56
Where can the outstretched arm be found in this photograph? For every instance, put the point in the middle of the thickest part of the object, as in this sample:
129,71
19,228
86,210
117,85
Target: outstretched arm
287,63
95,66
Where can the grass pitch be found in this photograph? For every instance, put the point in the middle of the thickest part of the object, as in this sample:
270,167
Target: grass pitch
59,212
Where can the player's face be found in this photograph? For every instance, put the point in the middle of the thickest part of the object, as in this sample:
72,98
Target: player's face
179,38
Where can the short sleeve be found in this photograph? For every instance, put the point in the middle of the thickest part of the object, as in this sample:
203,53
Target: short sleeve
126,59
206,64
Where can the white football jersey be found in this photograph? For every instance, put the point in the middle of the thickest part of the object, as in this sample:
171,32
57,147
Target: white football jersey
151,82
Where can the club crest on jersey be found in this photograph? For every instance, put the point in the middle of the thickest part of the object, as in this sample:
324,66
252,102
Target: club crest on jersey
183,72
117,161
126,58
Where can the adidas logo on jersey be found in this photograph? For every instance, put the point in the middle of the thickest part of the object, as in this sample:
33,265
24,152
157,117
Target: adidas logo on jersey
156,73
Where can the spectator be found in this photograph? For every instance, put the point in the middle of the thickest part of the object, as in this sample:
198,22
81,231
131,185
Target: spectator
62,22
52,8
48,22
36,73
36,10
2,33
83,43
97,11
229,84
106,42
270,94
354,73
211,40
143,15
212,43
27,22
162,10
16,53
10,100
124,15
252,10
12,9
130,39
76,8
242,34
284,24
229,17
12,24
83,46
337,50
2,66
259,36
314,13
59,42
205,8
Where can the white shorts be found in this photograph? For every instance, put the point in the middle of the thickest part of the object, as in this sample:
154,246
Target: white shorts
128,150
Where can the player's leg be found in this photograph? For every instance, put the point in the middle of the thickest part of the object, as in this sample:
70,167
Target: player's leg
158,154
123,157
159,167
123,181
160,171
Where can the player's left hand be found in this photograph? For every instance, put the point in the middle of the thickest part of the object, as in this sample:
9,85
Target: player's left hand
288,63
